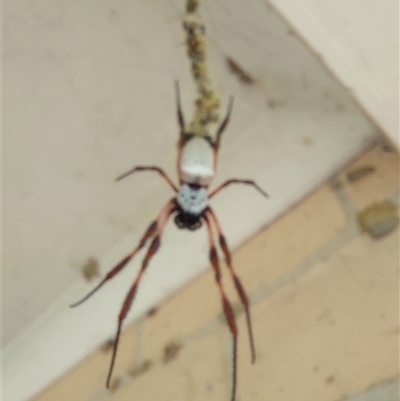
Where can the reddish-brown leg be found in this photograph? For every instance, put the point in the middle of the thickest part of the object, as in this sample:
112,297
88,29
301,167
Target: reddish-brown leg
153,248
239,287
237,181
221,129
181,119
230,317
181,122
149,168
148,234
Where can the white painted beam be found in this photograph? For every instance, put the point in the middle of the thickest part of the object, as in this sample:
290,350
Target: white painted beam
358,41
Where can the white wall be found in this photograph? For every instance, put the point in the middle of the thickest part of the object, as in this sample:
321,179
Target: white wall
358,40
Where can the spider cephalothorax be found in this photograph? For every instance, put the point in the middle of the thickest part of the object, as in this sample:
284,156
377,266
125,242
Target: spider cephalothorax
197,159
192,199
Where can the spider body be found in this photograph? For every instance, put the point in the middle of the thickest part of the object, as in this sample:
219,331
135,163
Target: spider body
192,199
196,164
197,161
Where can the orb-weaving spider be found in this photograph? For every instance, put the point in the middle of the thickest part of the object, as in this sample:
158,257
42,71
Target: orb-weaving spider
197,159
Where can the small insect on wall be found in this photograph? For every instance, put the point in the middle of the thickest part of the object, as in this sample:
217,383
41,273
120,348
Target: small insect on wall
196,164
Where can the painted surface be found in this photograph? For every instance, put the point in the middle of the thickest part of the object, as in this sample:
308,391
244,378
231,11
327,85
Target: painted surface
358,41
88,91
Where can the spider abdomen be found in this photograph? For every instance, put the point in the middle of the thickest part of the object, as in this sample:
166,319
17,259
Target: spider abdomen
197,162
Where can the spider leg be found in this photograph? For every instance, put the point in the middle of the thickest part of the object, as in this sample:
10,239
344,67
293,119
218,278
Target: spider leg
149,168
153,248
223,125
237,181
239,287
148,234
230,317
181,121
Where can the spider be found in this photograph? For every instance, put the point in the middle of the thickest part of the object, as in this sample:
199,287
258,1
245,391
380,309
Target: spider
196,165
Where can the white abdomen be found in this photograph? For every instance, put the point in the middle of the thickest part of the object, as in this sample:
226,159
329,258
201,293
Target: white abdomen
197,162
